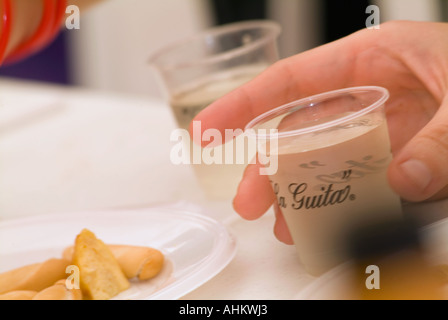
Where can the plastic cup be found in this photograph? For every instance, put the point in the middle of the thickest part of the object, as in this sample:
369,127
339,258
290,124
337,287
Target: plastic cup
196,71
331,151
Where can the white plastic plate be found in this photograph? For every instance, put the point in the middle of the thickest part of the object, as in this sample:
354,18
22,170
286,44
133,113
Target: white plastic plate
196,247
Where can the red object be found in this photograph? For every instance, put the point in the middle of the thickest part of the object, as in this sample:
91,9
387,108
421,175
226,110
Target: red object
61,6
6,27
53,13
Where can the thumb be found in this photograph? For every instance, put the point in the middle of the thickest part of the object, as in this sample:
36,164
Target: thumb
420,170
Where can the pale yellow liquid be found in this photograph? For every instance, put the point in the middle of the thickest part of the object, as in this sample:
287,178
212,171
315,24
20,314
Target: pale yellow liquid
219,181
329,181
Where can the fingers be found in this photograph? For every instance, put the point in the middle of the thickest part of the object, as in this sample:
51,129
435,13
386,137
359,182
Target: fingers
254,195
420,170
311,72
281,230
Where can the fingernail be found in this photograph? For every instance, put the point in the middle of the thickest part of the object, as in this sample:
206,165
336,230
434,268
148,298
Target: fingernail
417,172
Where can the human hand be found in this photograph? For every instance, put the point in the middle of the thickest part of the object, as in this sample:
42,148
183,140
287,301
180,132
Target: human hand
410,59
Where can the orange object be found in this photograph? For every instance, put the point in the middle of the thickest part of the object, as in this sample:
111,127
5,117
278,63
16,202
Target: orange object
391,262
53,12
6,27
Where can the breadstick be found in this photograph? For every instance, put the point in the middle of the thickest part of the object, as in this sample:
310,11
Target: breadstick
34,277
59,291
135,261
142,262
18,295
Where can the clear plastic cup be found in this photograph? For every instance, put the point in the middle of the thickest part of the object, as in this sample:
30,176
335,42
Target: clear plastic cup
331,156
196,71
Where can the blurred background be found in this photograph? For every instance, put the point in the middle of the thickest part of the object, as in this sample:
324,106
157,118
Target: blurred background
75,150
110,50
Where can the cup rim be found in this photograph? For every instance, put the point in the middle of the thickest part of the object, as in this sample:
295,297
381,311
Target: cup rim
217,30
318,98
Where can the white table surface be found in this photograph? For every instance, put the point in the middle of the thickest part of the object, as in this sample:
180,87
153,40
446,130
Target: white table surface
65,149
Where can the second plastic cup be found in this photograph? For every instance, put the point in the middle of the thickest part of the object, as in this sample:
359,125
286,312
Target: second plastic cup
197,71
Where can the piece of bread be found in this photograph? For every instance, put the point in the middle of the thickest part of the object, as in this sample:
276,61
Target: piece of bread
59,291
18,295
101,277
34,277
135,261
142,262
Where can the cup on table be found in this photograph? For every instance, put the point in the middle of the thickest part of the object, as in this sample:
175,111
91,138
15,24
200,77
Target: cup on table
197,71
327,157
